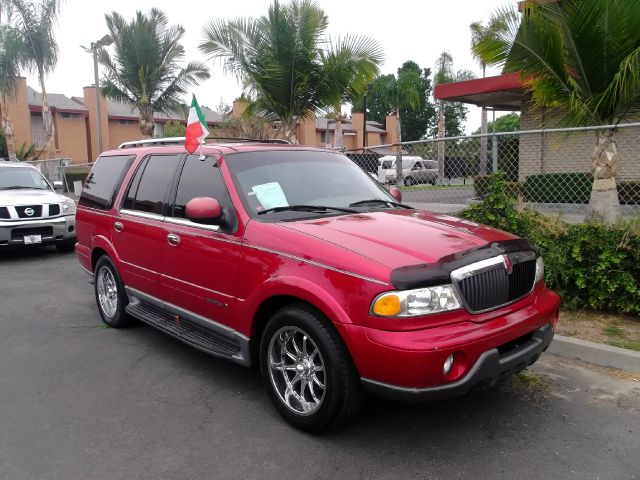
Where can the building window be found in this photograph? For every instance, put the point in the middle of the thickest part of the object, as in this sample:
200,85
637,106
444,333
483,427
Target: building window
158,130
323,137
127,122
68,115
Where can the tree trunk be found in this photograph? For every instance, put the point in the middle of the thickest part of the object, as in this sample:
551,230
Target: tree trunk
147,125
288,130
338,142
483,143
399,172
7,128
604,202
47,120
441,134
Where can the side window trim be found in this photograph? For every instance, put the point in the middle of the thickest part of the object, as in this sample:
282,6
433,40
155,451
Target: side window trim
143,165
171,203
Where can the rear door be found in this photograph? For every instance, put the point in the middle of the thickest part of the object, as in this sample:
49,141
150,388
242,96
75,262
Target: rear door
138,229
200,262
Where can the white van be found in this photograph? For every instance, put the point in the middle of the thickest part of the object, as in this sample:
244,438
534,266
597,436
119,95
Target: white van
414,170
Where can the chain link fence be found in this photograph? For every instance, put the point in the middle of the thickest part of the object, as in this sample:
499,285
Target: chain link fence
548,170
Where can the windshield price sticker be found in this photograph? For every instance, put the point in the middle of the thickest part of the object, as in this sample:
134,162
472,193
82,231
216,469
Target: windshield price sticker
270,195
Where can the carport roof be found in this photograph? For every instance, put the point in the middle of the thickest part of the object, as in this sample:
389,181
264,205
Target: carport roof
502,92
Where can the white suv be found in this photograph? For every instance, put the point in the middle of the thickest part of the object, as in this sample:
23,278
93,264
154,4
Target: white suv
31,212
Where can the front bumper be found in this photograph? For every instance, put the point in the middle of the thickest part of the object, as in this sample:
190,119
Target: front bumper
51,230
491,367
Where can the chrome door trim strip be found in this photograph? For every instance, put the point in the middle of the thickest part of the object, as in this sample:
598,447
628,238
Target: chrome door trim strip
148,216
188,223
243,357
318,264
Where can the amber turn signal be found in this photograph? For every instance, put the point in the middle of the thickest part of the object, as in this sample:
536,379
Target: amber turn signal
387,305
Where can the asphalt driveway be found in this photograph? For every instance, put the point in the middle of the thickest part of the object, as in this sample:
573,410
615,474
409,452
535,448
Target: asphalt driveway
80,401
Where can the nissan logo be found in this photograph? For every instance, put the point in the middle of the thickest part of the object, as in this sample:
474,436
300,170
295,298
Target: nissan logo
29,212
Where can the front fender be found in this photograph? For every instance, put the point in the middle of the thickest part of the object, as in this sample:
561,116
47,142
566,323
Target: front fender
298,287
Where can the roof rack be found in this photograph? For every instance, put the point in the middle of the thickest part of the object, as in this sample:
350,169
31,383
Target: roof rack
172,141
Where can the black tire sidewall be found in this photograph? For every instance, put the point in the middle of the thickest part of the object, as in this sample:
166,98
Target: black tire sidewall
120,319
329,344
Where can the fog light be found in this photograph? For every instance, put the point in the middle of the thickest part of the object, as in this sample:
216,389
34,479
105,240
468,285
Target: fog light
448,364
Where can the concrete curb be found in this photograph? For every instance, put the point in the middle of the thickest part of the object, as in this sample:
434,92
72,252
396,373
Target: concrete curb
603,355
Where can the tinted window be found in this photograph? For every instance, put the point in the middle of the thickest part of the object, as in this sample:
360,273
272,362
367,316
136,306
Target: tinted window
133,186
149,193
199,178
103,182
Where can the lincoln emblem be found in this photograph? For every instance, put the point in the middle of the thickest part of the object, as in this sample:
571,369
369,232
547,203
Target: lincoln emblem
508,266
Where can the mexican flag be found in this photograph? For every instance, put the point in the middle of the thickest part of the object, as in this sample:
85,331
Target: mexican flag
196,127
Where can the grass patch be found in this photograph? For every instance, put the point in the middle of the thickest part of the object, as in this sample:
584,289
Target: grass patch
529,381
433,187
625,343
614,331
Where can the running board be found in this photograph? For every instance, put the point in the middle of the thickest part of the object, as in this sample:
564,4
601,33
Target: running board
187,331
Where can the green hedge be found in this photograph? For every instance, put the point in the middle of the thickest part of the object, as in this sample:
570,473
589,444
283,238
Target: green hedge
481,186
629,192
590,265
558,187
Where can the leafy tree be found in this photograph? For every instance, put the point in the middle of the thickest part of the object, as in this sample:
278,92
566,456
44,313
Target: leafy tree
580,59
505,123
174,129
452,114
3,146
11,53
288,67
416,122
145,70
28,152
34,22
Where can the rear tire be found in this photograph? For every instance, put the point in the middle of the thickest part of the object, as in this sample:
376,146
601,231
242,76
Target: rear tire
307,370
110,294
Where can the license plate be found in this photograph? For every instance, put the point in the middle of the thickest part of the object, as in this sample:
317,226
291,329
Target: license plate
31,239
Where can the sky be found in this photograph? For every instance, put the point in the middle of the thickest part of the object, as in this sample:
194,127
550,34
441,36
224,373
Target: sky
417,30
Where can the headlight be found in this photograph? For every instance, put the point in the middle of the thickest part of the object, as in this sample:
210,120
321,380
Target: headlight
411,303
539,269
68,207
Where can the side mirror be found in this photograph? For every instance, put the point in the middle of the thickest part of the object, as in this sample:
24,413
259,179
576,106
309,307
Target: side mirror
58,186
396,193
204,210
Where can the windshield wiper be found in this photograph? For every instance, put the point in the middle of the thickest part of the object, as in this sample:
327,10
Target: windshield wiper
21,187
306,208
377,201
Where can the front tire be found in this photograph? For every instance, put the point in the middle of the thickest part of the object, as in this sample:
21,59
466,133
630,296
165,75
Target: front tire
307,370
110,294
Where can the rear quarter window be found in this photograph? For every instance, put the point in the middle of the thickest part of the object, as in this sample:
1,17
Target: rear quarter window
103,183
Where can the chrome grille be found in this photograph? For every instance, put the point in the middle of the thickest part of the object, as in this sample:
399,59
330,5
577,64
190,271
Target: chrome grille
35,210
495,282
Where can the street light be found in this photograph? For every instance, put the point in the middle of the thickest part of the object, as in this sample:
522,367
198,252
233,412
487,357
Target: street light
103,42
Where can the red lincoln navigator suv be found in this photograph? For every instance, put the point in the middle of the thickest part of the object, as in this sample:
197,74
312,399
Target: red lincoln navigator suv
295,259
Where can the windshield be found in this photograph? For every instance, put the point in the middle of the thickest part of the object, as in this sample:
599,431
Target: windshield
13,178
270,182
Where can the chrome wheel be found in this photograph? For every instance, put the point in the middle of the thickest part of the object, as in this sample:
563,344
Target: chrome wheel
296,369
107,292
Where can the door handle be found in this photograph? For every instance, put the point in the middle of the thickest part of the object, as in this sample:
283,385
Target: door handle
173,239
118,226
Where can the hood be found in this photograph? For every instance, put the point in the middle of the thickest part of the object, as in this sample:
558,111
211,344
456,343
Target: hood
397,238
29,196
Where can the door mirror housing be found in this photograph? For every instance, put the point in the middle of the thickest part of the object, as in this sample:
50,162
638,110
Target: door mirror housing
396,193
204,210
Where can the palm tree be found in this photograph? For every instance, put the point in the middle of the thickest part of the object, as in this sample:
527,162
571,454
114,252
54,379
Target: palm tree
580,59
349,66
11,49
281,60
145,69
480,32
34,23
